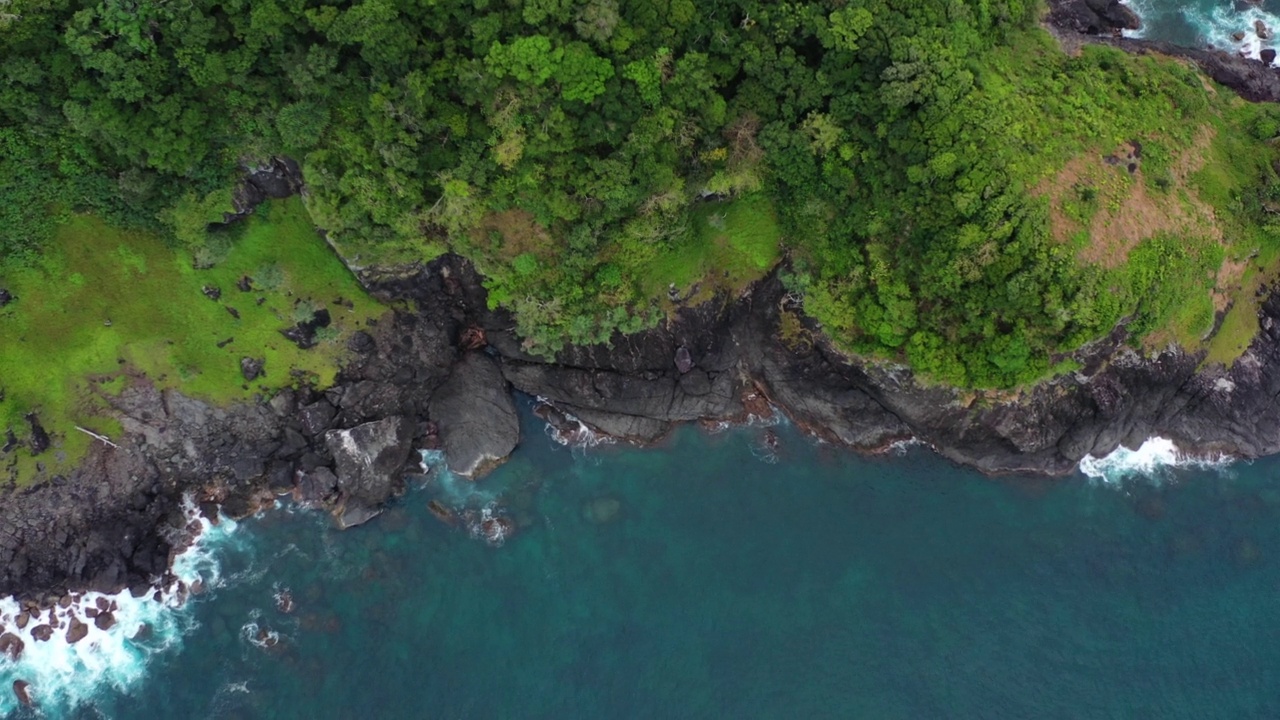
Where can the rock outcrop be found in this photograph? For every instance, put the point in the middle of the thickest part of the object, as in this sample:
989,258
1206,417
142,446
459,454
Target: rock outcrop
476,416
370,460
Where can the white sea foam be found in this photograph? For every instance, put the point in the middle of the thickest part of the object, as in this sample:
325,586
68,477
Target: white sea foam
1153,461
453,490
63,676
577,435
1217,25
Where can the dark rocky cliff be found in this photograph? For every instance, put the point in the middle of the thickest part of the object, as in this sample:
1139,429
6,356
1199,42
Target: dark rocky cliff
115,522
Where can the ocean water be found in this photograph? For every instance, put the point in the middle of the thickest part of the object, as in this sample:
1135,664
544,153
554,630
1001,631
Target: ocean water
725,575
1198,23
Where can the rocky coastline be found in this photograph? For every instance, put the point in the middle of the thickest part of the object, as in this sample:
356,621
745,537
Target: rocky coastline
440,372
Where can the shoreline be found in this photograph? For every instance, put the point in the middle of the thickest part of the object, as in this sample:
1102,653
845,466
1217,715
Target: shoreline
441,377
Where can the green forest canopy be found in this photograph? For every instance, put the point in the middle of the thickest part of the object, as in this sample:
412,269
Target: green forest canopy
904,154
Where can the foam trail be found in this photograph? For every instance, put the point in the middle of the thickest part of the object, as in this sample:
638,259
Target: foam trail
453,489
63,676
1153,460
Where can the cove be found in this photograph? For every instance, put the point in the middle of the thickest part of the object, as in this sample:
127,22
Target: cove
715,576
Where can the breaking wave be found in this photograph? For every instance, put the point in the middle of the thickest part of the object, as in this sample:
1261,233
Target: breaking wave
121,633
1200,23
1154,460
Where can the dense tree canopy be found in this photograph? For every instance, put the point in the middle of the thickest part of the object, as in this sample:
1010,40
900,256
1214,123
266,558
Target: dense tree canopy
566,146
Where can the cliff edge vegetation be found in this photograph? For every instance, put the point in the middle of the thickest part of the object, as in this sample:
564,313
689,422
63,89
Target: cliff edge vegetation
954,192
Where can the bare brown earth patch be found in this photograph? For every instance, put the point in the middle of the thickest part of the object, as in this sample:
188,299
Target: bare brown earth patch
1122,210
520,232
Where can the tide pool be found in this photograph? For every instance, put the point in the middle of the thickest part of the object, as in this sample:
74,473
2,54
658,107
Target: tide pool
716,577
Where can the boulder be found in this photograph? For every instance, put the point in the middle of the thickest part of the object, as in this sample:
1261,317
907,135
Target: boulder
251,368
477,416
11,645
684,361
316,485
39,438
370,459
104,621
1264,32
1268,55
5,297
316,417
1238,36
21,692
76,631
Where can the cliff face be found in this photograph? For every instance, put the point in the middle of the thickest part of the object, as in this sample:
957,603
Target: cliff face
116,521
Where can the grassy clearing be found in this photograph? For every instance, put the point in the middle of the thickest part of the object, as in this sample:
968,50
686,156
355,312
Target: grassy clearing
103,307
731,244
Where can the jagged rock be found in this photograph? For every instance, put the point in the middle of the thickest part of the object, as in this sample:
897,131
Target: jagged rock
251,368
1093,17
361,343
477,416
370,459
39,438
244,284
5,297
354,515
317,417
212,292
684,361
316,485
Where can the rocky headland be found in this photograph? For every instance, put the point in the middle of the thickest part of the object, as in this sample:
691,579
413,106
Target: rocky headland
440,372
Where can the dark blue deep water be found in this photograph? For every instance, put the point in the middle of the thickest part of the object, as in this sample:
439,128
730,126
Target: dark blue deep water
703,580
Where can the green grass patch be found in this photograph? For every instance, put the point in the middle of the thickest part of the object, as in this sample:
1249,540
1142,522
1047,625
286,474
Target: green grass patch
730,244
103,306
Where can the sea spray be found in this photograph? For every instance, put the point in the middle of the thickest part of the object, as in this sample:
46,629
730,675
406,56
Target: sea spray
1200,23
1153,460
112,654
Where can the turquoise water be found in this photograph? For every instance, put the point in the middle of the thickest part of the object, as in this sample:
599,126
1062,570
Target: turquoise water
822,585
1197,23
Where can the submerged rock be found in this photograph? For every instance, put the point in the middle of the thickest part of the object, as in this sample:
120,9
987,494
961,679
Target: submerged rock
477,416
601,510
